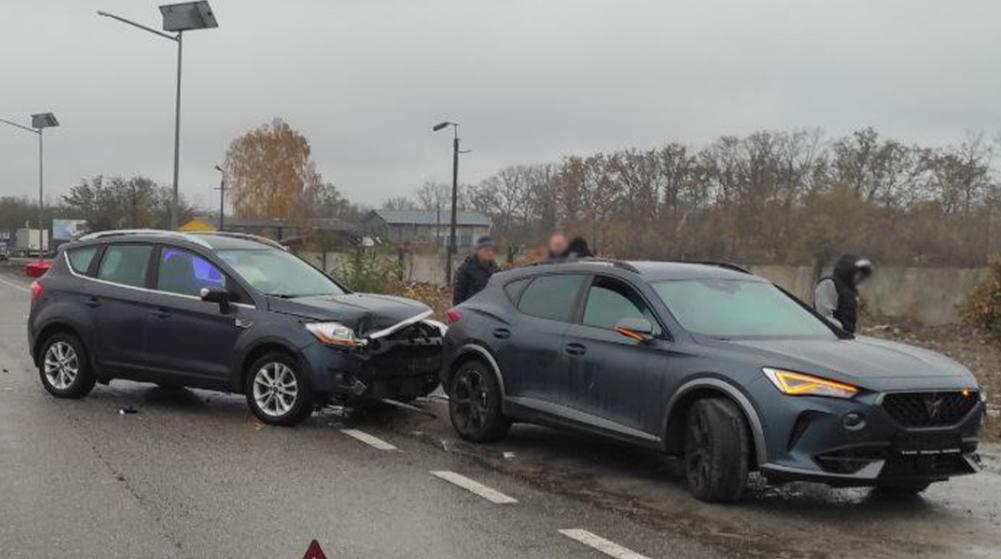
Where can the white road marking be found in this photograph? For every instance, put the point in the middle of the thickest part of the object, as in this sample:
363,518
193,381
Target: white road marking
607,547
15,286
374,442
474,487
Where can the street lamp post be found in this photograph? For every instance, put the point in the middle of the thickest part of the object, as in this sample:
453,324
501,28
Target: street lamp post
222,195
455,194
177,18
39,122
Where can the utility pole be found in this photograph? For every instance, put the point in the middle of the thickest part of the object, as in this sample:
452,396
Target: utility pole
455,195
222,196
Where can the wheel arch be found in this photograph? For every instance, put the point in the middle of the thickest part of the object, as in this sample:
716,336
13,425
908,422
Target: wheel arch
254,353
51,329
471,352
710,387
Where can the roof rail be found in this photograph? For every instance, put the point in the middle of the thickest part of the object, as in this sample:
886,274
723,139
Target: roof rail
149,232
608,261
724,265
245,237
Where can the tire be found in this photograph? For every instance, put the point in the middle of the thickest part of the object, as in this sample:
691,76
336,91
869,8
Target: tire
474,404
278,391
65,367
902,488
716,451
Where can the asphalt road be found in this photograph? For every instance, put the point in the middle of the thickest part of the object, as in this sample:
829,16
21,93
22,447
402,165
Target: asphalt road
193,474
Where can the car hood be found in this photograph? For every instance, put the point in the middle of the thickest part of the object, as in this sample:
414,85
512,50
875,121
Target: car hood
365,313
868,362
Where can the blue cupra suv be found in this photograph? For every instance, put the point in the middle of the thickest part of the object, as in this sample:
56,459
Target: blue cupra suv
228,312
712,364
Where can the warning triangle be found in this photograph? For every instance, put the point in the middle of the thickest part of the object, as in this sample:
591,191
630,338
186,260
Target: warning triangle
314,551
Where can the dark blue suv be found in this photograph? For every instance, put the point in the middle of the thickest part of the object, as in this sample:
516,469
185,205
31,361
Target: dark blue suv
712,364
228,312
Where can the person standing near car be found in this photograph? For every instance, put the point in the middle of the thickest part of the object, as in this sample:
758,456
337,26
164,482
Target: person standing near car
836,296
474,273
557,247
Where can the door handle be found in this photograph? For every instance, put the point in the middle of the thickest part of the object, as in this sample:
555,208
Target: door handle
575,349
502,333
161,313
93,302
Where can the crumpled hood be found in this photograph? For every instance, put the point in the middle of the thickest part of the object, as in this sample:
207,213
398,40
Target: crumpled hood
362,312
868,362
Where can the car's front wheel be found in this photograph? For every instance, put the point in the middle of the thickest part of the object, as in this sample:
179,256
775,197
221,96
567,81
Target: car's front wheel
474,404
64,368
716,450
277,390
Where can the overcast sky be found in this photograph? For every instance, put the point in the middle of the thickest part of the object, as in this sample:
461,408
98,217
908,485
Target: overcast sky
530,81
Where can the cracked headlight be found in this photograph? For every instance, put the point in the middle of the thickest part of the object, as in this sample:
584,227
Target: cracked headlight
799,384
333,333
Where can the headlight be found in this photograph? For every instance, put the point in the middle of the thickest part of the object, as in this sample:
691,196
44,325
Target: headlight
333,333
798,384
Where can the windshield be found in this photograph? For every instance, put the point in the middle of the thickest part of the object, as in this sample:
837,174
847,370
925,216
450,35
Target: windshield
738,309
279,273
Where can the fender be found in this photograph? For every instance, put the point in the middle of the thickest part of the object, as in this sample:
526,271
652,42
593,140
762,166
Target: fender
244,350
753,420
480,350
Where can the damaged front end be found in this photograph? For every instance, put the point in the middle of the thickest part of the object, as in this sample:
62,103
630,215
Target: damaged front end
397,363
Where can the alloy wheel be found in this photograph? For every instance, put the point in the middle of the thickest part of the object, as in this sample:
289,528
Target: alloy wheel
275,389
61,365
697,459
470,397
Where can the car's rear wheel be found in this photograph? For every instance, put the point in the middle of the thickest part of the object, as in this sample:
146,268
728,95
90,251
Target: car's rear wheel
277,390
474,404
902,488
716,450
64,368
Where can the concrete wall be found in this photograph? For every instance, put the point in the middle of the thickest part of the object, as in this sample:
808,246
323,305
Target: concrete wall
929,295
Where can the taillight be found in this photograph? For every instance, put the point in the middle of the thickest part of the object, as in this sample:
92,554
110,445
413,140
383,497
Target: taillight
452,316
36,290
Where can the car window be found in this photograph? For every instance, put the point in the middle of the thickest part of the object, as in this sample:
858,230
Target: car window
513,289
610,300
185,273
80,258
279,273
125,264
551,297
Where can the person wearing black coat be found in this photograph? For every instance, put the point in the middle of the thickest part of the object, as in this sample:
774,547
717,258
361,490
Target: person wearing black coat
475,271
836,296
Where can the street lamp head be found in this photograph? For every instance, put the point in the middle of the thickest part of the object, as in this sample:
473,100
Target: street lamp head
187,16
218,168
43,120
441,125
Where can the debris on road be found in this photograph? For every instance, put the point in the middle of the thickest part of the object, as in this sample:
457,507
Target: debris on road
127,410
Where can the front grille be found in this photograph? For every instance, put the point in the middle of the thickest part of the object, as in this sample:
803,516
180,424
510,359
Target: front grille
929,409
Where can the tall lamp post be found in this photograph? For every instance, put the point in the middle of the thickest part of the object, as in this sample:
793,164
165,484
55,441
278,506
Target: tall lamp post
222,195
177,18
39,122
455,194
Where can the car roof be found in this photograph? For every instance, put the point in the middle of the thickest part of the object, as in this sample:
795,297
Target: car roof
211,240
648,270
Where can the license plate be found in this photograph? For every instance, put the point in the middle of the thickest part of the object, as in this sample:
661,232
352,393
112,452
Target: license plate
927,443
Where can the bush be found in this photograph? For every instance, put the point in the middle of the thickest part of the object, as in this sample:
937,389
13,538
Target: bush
982,307
368,272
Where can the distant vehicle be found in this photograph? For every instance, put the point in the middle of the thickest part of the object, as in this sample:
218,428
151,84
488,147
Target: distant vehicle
711,364
228,312
30,242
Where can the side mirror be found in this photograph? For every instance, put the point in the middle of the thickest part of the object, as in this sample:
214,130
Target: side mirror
638,329
216,295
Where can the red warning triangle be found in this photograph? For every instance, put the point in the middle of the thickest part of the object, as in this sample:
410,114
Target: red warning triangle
314,551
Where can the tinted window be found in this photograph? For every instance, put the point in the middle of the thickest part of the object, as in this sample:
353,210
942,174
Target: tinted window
80,258
609,301
551,297
185,273
514,288
737,309
125,264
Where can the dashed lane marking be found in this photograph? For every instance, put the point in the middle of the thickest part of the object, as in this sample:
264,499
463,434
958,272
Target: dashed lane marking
474,487
607,547
372,441
15,286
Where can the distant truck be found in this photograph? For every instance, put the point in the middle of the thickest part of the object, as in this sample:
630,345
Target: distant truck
26,242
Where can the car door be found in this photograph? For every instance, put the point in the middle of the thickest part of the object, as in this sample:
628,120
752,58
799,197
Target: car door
120,301
612,376
534,362
185,335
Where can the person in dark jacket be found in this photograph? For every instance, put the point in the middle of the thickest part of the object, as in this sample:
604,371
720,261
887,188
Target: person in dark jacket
836,296
578,248
474,273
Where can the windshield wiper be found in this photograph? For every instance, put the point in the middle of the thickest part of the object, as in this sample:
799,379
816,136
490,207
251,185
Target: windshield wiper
281,295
